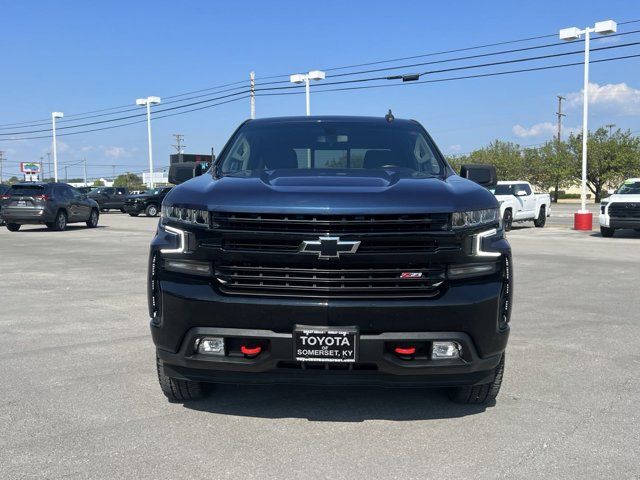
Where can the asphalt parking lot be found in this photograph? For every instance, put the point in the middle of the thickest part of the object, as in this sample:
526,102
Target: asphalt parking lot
79,396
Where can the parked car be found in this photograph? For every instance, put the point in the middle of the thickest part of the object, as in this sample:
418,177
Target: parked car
110,198
52,204
147,203
622,209
86,190
331,250
3,189
518,203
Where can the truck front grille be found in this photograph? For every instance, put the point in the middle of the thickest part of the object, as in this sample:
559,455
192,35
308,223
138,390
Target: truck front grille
624,210
330,282
334,224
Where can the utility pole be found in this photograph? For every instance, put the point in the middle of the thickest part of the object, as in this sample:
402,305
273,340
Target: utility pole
66,179
252,83
179,146
610,127
560,115
49,164
84,161
113,170
1,172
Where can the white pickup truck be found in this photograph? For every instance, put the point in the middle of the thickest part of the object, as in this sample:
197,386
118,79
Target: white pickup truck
622,209
518,203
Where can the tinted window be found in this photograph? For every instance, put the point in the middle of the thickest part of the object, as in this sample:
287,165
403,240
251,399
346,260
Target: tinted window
26,190
120,191
503,190
331,145
526,188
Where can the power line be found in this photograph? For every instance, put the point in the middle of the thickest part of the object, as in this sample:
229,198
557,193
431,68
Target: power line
429,72
73,117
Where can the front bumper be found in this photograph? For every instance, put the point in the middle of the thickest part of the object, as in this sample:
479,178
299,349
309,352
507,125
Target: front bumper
612,222
376,366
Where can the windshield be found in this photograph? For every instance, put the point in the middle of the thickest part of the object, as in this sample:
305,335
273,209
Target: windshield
154,191
331,146
503,190
630,187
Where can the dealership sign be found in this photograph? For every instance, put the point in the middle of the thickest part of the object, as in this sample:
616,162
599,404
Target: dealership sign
29,167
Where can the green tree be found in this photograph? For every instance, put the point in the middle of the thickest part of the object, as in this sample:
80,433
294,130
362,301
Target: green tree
549,167
610,158
98,183
506,156
127,179
13,180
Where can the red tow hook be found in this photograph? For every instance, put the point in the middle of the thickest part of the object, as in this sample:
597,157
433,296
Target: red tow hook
251,351
406,353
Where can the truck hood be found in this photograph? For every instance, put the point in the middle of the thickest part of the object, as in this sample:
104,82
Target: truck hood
622,198
320,191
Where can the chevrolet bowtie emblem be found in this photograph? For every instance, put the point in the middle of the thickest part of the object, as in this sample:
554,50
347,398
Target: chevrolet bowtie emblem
328,247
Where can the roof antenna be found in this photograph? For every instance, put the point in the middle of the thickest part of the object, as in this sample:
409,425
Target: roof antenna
389,117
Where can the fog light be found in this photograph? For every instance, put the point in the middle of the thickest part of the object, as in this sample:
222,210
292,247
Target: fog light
441,350
183,266
211,346
471,270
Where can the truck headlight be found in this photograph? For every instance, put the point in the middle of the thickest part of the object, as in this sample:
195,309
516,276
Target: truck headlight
188,216
474,218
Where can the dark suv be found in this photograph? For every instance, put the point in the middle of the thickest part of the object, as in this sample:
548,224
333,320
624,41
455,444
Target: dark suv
147,203
52,204
110,198
3,189
331,250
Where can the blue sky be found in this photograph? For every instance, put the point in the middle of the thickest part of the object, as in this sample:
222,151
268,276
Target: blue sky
77,56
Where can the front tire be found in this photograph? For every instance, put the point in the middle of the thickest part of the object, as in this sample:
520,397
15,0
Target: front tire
507,220
92,221
151,211
542,217
176,390
607,232
13,227
480,394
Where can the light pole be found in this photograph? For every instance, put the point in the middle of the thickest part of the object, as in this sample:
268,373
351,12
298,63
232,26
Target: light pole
55,115
147,102
583,219
304,78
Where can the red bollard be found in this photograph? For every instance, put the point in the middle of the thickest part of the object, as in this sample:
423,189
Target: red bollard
583,221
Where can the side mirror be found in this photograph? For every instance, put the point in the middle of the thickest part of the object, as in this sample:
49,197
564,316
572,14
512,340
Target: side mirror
521,193
181,172
484,175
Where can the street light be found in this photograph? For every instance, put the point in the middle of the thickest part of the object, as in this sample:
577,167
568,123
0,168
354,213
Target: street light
55,115
147,102
304,78
583,219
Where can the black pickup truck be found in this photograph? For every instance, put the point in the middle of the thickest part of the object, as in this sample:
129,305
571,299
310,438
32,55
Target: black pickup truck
109,198
148,202
331,250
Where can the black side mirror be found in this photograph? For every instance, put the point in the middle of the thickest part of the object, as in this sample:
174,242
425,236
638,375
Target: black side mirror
484,175
181,172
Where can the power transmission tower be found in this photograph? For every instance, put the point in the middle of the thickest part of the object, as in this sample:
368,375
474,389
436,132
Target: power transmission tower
610,127
560,115
179,146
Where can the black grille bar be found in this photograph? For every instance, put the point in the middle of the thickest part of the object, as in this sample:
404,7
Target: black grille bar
624,210
330,282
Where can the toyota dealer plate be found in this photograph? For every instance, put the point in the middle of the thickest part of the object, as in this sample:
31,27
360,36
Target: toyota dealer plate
325,344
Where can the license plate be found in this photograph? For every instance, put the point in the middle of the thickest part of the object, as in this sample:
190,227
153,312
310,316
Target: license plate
22,203
325,344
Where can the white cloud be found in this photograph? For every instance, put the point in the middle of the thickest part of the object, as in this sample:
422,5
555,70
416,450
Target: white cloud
618,98
116,152
537,130
455,148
